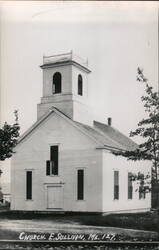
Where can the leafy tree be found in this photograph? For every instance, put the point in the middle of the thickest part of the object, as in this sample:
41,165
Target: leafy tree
8,138
148,129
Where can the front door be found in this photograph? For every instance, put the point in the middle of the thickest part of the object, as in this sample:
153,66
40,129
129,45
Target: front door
55,197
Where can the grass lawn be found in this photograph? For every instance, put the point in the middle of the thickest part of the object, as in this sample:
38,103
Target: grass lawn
141,221
75,223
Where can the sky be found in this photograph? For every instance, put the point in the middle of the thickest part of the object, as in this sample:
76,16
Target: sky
116,37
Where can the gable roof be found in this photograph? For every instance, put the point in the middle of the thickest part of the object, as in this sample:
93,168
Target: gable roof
105,136
104,139
118,139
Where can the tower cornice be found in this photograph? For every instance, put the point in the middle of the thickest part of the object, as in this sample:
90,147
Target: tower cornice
64,63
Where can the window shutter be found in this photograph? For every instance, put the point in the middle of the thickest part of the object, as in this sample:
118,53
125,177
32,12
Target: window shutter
51,167
80,184
47,167
130,187
29,185
116,177
54,159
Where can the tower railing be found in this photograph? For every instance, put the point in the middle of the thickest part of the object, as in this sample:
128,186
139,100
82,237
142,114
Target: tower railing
70,56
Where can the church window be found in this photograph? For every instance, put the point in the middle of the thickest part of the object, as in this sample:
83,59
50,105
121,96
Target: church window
28,185
80,85
80,184
52,164
116,185
56,87
130,186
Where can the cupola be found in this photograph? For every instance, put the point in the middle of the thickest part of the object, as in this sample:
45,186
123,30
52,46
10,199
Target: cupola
65,86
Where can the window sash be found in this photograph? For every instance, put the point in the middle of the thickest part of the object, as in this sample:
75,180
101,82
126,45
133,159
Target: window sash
116,192
130,192
116,185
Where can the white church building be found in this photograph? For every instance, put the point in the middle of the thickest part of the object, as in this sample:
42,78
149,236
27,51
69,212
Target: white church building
64,162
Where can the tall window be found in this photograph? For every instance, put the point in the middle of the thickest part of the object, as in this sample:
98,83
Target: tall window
56,87
116,185
52,164
130,186
28,185
80,85
80,184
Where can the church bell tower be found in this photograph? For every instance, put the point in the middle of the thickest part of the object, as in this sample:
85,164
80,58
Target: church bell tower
65,87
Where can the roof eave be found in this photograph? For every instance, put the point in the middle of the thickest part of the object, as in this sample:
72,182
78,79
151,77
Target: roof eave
107,147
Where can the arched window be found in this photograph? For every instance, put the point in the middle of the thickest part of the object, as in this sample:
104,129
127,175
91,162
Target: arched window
56,87
80,85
